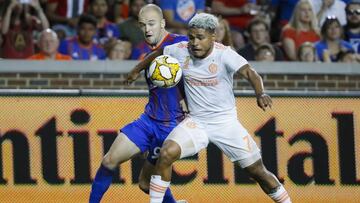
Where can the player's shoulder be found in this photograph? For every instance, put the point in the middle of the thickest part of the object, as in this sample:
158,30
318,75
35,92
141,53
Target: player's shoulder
220,47
178,38
180,45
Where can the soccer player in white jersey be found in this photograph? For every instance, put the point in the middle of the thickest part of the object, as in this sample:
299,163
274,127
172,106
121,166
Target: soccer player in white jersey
208,69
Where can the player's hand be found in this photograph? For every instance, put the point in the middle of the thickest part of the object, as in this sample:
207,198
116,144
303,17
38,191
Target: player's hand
132,76
263,101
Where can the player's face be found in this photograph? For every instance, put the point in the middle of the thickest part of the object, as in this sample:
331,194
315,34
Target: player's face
152,25
201,42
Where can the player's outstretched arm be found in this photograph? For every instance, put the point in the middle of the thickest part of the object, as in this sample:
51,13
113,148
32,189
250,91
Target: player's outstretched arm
135,72
263,100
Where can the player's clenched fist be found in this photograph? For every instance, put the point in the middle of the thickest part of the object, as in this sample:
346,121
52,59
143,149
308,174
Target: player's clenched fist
263,101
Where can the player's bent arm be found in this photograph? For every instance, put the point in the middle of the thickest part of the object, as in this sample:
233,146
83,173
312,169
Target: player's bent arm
135,72
263,100
253,77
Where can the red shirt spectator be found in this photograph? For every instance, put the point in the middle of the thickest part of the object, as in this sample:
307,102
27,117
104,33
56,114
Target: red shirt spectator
300,36
65,10
237,13
17,28
18,43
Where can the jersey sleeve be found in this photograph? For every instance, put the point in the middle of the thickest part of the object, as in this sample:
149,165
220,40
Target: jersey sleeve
232,60
170,49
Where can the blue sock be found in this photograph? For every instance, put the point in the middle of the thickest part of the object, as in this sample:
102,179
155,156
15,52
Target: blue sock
168,198
101,183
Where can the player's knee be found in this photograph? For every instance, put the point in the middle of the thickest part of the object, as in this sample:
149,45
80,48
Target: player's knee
109,161
257,171
169,154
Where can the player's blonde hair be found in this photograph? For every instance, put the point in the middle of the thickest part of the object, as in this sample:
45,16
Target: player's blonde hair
205,21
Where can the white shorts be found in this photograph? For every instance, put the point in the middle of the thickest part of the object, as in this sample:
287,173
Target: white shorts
229,135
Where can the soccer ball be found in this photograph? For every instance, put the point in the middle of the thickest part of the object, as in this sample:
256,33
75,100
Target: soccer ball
165,71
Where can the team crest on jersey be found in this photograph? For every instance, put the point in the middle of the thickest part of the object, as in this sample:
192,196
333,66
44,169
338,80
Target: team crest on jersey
213,68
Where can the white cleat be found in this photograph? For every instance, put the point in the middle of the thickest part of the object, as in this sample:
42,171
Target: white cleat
181,201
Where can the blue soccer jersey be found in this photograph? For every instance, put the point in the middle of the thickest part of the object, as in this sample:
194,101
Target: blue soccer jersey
162,113
164,103
73,48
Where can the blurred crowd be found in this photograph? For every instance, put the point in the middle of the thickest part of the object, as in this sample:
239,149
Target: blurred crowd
260,30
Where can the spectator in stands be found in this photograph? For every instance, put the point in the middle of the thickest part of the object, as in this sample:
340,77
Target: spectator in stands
130,28
120,50
18,26
48,44
352,28
223,34
328,48
301,28
280,12
238,14
307,52
81,47
119,10
347,56
177,13
284,9
64,14
105,29
258,32
324,8
265,52
3,6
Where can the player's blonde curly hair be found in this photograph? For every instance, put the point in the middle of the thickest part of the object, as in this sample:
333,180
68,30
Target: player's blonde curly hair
205,21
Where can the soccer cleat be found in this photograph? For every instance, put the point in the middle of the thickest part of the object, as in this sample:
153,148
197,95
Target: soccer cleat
181,201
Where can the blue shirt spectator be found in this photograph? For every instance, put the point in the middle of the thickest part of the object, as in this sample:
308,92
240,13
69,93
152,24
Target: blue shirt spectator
78,51
82,47
179,12
322,47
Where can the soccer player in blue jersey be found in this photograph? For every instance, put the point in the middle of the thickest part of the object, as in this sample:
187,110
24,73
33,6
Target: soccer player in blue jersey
163,112
81,47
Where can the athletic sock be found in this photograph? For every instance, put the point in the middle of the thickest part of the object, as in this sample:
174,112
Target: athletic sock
101,183
280,195
168,197
157,189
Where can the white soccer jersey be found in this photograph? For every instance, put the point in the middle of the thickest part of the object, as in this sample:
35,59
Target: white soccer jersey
208,81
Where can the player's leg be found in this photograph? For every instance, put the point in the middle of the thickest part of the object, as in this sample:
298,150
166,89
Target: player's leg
236,143
134,138
120,151
144,182
268,182
185,140
145,174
